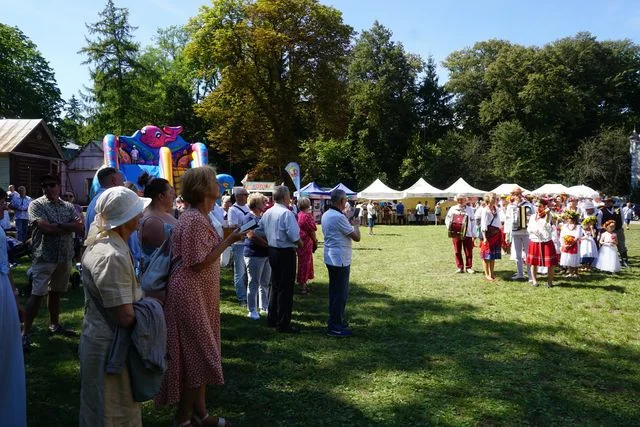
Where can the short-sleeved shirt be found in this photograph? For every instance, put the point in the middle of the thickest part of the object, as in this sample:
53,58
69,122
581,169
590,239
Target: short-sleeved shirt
337,243
237,216
107,272
48,248
280,227
400,209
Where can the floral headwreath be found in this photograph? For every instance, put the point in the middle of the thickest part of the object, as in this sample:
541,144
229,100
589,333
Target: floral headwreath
573,215
590,220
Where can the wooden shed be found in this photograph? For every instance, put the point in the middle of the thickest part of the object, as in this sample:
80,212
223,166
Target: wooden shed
81,168
28,150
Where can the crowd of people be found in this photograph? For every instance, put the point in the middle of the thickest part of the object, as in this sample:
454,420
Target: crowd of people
151,276
540,234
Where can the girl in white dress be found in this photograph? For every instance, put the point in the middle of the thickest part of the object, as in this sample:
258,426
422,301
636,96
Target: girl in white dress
588,247
608,259
570,237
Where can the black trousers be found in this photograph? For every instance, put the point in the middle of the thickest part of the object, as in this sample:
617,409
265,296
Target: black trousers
283,274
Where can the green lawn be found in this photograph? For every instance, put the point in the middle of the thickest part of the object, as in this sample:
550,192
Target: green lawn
429,347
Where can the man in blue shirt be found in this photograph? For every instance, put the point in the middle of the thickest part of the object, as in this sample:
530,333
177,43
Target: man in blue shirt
280,227
338,234
107,177
400,212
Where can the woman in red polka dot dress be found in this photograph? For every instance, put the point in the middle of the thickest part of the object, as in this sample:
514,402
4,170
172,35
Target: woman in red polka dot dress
192,307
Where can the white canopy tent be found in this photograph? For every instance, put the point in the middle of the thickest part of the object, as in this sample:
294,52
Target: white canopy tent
422,188
461,187
551,189
508,188
379,191
582,191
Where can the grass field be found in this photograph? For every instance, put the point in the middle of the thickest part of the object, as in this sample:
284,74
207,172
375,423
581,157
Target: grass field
429,347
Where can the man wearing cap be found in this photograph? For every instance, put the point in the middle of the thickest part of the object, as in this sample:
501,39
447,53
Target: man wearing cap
54,221
609,212
236,217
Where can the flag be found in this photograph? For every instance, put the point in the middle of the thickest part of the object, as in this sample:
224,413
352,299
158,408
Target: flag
245,179
293,169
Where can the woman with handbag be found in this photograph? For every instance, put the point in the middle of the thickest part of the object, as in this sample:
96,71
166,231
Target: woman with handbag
256,258
491,246
158,220
110,288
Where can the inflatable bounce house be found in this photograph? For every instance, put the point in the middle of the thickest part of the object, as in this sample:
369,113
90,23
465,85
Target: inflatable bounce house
161,152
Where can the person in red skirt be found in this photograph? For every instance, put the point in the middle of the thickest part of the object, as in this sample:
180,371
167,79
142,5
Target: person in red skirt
542,251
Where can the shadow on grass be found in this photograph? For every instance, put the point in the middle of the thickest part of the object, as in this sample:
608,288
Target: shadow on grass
444,363
410,362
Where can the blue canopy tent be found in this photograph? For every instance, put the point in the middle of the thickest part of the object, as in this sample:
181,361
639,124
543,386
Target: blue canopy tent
350,194
313,191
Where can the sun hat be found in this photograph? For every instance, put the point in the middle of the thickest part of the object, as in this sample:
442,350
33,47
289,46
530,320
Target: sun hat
116,206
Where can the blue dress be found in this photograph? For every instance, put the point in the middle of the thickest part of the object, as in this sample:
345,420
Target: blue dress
13,405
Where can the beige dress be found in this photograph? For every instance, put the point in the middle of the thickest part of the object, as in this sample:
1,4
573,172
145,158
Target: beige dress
107,272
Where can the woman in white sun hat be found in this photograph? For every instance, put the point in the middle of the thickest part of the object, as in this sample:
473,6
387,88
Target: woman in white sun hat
110,288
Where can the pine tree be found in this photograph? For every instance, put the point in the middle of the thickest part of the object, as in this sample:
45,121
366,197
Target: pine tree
113,59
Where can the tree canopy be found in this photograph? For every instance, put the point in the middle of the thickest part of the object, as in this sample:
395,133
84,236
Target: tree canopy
28,88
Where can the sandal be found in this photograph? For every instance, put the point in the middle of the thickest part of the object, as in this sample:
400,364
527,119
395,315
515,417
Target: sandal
202,421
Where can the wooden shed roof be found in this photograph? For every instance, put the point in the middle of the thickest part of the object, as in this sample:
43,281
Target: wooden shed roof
14,131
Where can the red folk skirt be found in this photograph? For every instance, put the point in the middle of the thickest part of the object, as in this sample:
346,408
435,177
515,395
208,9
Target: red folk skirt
542,254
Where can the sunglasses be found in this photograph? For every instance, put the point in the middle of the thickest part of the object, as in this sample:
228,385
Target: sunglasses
49,185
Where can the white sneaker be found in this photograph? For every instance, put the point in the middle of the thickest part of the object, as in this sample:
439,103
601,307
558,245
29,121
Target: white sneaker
265,312
253,315
459,270
471,271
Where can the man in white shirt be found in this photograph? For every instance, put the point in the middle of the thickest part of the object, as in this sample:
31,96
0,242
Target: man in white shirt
420,213
515,226
465,242
280,227
236,217
338,234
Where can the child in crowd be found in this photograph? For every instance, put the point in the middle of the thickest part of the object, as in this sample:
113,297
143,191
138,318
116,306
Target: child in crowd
588,247
570,235
608,259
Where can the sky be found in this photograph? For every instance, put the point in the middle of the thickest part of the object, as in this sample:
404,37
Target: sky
424,27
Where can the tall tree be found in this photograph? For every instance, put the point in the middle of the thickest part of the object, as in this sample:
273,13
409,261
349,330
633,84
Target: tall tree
434,111
28,87
382,90
71,126
276,70
113,56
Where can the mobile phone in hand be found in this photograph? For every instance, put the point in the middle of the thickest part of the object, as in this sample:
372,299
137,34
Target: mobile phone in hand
250,225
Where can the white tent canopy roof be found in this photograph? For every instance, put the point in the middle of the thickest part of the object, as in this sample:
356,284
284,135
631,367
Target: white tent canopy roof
461,187
379,191
422,188
582,191
551,189
508,188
